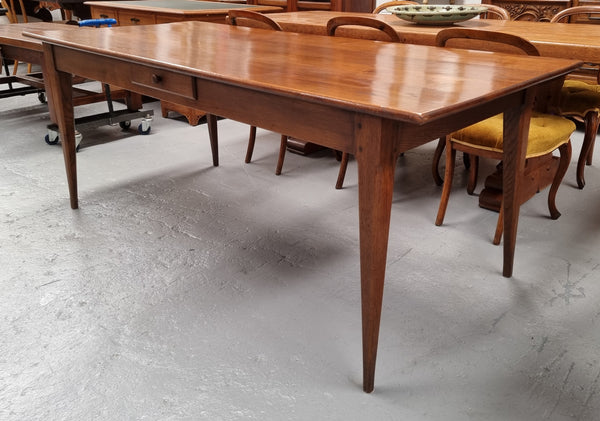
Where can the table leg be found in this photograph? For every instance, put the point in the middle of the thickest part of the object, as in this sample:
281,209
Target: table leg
211,122
376,165
59,85
516,129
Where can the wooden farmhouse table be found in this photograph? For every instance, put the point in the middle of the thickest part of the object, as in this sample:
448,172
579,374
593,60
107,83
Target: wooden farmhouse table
347,100
563,40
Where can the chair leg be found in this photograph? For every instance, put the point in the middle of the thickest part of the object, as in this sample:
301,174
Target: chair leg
282,149
590,154
563,165
467,160
473,173
592,121
251,141
435,164
342,172
448,176
499,226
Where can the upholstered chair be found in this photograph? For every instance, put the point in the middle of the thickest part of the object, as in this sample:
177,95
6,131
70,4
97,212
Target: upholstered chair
547,132
580,96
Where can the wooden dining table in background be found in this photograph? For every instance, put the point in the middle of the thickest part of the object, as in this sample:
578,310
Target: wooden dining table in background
348,101
561,40
14,45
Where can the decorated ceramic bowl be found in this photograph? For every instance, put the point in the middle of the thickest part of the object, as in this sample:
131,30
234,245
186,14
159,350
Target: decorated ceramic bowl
436,14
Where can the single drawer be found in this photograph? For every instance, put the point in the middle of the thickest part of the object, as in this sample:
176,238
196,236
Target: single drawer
165,81
133,18
102,13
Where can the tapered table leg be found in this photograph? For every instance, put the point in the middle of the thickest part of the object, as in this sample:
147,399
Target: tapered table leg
59,85
211,122
516,130
376,164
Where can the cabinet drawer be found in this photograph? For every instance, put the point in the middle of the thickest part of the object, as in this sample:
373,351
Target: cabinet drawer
133,18
102,13
156,79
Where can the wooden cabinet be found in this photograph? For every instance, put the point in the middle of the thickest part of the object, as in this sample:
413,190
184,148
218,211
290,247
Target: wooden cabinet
542,10
151,12
532,10
103,13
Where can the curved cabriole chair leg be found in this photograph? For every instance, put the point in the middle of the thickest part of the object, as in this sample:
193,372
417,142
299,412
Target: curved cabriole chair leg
565,159
435,165
592,121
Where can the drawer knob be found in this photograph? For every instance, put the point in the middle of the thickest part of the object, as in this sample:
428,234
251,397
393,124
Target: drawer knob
156,78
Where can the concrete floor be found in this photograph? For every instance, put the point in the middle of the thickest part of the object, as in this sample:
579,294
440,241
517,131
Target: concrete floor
179,291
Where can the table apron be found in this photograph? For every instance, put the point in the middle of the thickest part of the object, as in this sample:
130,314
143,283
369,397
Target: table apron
21,54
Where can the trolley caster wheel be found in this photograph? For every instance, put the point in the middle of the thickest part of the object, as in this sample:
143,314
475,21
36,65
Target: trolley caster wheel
144,128
42,97
125,124
51,138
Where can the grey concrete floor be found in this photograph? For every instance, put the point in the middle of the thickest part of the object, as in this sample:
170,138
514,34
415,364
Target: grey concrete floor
179,291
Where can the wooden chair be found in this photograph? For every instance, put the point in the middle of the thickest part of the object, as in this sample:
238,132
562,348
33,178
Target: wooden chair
10,11
3,12
547,132
11,14
382,8
580,96
493,12
248,18
332,25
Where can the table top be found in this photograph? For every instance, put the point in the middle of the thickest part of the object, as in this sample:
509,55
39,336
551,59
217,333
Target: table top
385,79
564,40
13,34
177,6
